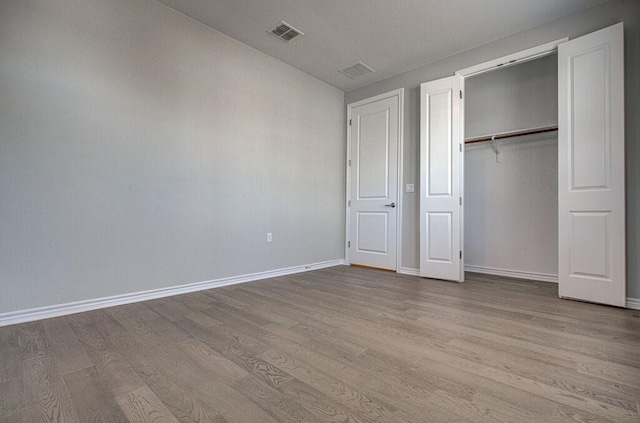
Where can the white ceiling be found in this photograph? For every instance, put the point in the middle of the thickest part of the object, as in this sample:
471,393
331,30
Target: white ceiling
391,36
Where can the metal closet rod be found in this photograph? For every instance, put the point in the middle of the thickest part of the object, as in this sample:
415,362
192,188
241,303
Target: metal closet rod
512,134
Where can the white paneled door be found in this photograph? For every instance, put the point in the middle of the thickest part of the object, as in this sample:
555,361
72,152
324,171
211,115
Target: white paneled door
591,217
374,134
441,180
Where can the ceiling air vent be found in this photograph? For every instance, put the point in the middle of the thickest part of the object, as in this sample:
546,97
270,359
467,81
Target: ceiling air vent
357,70
285,32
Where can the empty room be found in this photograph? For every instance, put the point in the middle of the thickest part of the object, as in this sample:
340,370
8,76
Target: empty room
240,211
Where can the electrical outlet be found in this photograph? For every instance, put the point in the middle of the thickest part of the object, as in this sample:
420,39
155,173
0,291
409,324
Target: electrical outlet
269,237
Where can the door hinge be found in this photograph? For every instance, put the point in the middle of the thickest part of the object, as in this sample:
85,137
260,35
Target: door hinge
461,148
349,203
349,162
349,122
460,94
460,254
460,200
348,244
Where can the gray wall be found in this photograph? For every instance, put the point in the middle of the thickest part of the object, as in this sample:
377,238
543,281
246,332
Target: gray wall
511,207
571,26
140,150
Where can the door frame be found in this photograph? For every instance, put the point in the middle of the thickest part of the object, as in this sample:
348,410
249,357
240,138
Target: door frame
399,93
512,59
516,58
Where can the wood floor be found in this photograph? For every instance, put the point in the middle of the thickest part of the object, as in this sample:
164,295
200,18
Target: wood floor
334,345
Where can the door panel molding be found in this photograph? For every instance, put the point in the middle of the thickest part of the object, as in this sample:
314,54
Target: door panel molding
372,244
591,185
441,170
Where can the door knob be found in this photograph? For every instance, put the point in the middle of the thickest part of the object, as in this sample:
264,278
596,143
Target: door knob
392,205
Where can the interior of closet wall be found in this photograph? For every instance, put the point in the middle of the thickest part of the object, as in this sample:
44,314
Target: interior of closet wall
511,189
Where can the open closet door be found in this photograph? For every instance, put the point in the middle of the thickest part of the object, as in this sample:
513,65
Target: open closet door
591,219
440,180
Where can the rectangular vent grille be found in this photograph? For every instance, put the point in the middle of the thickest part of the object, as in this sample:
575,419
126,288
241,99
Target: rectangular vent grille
285,32
357,70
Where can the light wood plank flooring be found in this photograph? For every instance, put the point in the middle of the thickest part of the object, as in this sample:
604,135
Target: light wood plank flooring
334,345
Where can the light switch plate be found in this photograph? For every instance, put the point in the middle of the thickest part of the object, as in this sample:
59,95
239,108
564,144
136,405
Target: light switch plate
410,188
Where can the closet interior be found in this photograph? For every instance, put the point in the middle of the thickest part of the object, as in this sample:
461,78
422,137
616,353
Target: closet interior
511,170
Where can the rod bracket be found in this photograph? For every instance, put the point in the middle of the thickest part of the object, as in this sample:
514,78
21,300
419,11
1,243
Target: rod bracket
496,149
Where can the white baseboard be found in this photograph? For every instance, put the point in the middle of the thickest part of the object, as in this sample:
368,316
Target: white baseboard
22,316
409,271
543,277
493,271
633,303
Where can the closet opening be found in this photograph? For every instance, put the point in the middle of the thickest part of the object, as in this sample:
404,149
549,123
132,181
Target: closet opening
511,170
536,205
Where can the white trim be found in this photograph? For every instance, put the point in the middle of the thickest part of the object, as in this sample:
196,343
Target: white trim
512,59
409,271
22,316
388,94
462,167
633,303
400,178
499,63
493,271
395,93
347,226
543,277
